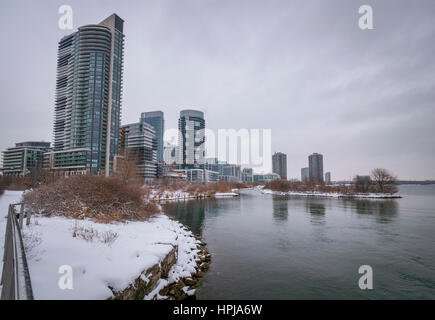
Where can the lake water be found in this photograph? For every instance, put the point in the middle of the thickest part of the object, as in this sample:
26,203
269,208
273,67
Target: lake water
281,247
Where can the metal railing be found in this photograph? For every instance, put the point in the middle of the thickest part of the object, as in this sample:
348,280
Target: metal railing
15,277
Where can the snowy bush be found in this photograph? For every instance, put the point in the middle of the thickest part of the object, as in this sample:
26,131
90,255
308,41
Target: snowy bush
96,197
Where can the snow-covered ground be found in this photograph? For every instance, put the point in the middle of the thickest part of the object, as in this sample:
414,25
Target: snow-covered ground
329,194
225,194
170,195
100,255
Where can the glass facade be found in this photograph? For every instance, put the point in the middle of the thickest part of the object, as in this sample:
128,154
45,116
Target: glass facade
191,125
140,144
25,156
155,118
88,97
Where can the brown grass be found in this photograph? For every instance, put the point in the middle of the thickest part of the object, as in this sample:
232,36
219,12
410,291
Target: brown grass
96,197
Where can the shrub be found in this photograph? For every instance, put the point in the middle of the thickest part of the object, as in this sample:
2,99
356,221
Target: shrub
279,185
96,197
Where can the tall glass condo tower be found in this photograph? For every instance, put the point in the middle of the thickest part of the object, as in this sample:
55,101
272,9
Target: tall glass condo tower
88,98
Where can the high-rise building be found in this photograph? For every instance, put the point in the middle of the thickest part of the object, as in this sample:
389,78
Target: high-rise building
191,139
19,160
328,177
315,162
88,97
279,164
140,145
155,118
305,174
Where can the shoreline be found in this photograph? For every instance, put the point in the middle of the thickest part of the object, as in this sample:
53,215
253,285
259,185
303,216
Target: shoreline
158,281
330,195
183,196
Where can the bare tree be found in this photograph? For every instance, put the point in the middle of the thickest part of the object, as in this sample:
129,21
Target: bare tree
384,181
362,184
126,168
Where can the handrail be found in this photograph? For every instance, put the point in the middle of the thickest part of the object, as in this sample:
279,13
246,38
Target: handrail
15,276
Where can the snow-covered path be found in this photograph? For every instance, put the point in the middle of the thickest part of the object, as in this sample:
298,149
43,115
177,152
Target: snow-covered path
99,254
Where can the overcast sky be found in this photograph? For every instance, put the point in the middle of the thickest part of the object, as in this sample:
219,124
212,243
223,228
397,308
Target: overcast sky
362,98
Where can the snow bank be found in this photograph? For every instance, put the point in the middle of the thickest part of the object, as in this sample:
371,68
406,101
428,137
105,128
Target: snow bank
97,264
170,195
182,195
330,194
225,194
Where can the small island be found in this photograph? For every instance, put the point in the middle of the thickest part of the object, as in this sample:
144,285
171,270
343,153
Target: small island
381,184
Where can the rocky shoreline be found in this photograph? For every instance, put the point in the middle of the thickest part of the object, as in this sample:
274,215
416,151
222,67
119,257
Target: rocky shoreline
183,289
148,285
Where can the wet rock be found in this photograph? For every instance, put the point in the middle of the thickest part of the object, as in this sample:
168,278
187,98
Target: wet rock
190,282
147,281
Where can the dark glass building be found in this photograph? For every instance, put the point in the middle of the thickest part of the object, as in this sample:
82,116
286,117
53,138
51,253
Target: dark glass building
315,163
155,118
88,98
279,164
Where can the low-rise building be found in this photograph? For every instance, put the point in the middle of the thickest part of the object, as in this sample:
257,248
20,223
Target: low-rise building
247,175
192,175
265,178
19,160
67,162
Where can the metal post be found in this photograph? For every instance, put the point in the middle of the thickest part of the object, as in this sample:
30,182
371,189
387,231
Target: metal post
21,215
35,174
28,214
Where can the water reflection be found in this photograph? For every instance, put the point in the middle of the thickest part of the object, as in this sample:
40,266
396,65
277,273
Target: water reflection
191,213
384,210
317,210
297,248
280,210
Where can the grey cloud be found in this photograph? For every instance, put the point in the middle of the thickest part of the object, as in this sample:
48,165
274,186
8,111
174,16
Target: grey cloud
302,68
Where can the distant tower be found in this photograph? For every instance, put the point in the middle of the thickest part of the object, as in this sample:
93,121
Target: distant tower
279,164
170,154
315,162
305,174
328,177
191,139
155,118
